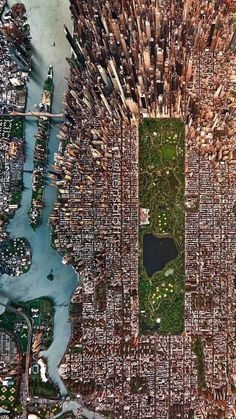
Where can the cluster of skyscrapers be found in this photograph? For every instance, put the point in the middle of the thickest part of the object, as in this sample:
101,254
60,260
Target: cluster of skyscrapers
133,59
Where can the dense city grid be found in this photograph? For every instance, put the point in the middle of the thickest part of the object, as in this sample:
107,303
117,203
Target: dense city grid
132,60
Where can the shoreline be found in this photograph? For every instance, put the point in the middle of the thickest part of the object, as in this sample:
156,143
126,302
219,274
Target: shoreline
43,256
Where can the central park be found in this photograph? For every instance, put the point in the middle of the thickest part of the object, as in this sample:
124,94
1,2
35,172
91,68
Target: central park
161,262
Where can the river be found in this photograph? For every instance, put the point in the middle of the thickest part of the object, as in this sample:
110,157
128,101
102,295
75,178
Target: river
46,19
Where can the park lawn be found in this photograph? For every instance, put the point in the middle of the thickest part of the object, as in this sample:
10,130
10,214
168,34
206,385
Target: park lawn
39,388
17,130
7,397
161,182
199,352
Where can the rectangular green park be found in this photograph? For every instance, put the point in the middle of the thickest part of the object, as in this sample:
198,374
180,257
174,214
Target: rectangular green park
162,228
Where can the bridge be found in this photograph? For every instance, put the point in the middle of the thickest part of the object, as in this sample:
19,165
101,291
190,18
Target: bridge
36,114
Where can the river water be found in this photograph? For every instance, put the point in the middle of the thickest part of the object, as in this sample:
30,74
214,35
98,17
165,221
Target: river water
46,18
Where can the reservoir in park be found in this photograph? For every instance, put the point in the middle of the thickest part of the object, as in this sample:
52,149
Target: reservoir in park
157,252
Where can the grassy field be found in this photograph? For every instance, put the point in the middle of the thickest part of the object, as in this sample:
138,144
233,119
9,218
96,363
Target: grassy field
39,388
7,396
161,164
17,129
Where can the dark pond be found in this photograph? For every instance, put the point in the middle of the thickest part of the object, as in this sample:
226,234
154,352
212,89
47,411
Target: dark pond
157,252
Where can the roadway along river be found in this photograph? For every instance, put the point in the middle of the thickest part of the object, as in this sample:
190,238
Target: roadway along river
46,19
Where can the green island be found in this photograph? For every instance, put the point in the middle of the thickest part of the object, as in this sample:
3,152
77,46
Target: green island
161,183
50,276
41,154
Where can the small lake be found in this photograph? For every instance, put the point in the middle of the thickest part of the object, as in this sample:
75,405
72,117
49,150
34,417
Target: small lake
157,252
